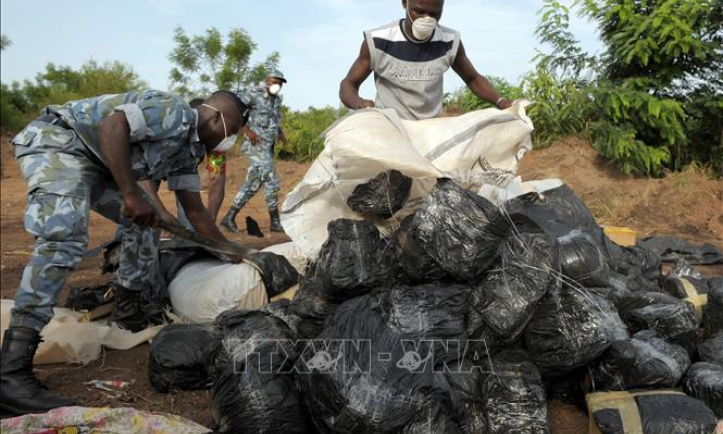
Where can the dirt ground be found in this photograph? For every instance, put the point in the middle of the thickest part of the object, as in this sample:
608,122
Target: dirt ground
685,204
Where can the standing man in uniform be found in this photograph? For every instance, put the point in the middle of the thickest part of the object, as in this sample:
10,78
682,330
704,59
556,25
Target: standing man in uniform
90,154
262,132
409,58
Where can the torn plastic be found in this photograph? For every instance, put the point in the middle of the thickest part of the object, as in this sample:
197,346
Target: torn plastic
382,196
371,370
649,412
674,319
711,350
352,261
509,293
180,355
514,397
460,230
252,371
277,273
645,360
571,328
683,268
705,382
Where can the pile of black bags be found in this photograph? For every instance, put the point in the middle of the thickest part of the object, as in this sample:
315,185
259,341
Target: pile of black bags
466,319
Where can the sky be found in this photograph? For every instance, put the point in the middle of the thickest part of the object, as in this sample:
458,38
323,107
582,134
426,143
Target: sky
318,39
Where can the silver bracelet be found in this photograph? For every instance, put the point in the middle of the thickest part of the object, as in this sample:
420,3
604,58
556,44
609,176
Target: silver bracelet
497,103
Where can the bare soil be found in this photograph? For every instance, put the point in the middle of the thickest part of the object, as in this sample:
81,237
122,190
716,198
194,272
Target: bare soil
686,204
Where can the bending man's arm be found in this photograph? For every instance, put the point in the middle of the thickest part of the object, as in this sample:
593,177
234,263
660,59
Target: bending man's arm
114,142
476,82
359,71
198,215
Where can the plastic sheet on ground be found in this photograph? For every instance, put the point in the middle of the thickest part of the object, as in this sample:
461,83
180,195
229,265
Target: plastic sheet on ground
368,142
672,249
645,360
648,412
71,338
102,421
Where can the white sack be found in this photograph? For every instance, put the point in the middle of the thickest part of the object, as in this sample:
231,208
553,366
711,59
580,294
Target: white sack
292,253
203,289
367,142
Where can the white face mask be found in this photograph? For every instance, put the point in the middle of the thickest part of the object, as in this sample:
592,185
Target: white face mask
226,144
422,27
228,141
274,89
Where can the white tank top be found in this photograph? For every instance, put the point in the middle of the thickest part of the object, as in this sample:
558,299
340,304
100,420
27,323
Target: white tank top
408,74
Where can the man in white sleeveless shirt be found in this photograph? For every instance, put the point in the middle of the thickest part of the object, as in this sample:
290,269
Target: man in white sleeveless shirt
409,58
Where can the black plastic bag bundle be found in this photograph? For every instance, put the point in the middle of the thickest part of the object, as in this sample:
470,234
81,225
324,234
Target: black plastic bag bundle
645,360
674,319
569,388
311,308
582,261
371,370
463,379
282,310
681,287
179,358
713,310
571,328
711,351
382,196
514,397
508,295
252,366
416,265
87,298
705,382
655,412
353,260
640,269
460,230
277,273
557,211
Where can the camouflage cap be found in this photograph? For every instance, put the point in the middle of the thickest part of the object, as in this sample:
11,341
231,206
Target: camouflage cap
275,73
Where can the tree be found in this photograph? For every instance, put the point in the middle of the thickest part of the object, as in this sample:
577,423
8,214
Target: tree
5,42
60,84
204,63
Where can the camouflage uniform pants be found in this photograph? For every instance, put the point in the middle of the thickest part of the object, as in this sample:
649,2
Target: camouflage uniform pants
261,171
65,182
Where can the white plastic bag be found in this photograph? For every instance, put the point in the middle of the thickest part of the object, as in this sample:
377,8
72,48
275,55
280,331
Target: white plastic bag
203,289
367,142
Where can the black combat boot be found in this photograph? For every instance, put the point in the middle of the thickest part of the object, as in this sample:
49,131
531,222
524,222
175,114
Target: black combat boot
20,391
128,312
229,220
275,221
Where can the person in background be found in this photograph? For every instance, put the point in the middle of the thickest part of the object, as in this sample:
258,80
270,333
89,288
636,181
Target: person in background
262,132
409,58
89,155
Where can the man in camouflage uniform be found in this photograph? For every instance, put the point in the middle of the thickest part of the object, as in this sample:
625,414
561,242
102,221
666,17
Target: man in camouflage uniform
87,155
262,131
